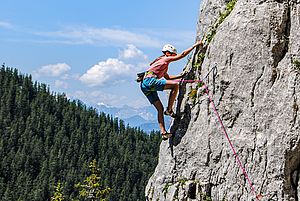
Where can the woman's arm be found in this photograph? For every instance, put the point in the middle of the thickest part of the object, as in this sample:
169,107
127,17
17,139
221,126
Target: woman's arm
184,53
172,77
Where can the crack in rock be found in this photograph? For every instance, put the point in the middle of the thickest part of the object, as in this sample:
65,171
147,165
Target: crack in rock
280,34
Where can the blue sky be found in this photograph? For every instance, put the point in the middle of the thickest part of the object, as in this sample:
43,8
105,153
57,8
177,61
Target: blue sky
92,50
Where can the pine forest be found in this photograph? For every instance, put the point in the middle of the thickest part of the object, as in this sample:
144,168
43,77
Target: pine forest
47,139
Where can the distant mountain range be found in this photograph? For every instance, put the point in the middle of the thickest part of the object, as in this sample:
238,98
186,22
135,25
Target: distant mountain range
144,117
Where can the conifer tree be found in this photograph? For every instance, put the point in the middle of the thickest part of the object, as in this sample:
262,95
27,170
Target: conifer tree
58,195
91,188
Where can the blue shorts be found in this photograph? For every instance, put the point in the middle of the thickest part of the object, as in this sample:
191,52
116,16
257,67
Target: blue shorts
150,86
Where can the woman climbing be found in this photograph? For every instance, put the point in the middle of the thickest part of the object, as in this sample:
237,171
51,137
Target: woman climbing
153,82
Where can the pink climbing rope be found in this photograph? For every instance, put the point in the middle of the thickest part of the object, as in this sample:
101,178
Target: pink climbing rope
231,145
258,197
188,81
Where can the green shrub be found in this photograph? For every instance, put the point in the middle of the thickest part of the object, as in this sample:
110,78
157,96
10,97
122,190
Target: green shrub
297,64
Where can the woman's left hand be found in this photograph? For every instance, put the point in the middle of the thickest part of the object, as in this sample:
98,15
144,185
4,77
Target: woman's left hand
198,43
182,74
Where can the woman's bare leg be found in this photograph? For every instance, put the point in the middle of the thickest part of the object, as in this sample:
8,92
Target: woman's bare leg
173,94
160,115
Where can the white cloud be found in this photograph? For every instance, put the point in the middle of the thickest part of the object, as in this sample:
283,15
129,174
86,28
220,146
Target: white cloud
53,70
101,36
97,96
110,70
73,76
6,25
135,56
87,35
132,52
61,84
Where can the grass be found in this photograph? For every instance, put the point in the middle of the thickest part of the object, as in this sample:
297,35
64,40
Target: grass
205,197
199,61
182,181
222,16
193,93
208,37
296,64
166,188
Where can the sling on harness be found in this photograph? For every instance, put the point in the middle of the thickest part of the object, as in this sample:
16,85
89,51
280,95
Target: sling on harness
140,76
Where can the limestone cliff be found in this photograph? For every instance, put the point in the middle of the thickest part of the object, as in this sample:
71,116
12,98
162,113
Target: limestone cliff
255,86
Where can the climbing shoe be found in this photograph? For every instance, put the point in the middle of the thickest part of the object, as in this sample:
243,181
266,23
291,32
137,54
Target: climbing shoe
166,135
170,113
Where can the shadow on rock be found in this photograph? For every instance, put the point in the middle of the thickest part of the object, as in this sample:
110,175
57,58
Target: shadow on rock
180,125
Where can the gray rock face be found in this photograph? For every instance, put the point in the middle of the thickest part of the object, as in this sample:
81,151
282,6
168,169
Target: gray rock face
256,90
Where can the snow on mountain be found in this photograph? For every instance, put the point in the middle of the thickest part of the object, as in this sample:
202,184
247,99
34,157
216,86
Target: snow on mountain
144,117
